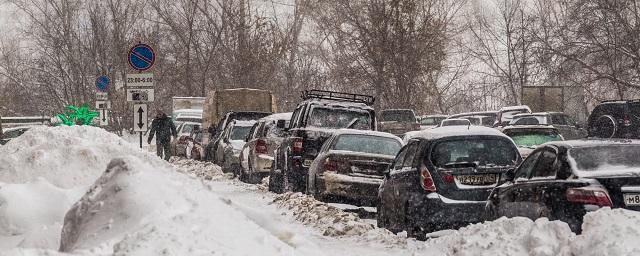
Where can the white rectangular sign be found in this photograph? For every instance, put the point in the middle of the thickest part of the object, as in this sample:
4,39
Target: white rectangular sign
101,96
140,95
104,117
140,118
101,104
140,80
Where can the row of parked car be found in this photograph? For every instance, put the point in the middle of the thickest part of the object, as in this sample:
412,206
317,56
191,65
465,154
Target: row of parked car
505,163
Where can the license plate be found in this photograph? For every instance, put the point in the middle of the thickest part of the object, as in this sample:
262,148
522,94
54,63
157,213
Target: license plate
632,199
486,179
307,162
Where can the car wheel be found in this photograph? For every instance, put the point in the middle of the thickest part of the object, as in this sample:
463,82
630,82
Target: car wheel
606,127
275,179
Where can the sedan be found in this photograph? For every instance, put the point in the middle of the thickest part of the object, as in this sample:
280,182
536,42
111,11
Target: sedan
442,178
350,166
563,180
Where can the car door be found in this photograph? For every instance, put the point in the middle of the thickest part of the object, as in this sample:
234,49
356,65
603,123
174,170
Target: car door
388,192
510,199
405,180
542,184
247,149
223,142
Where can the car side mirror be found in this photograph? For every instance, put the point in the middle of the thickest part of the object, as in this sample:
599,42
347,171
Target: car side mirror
510,175
280,124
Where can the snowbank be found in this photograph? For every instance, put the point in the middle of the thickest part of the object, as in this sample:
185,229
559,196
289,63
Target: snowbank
66,157
609,232
47,169
513,237
137,209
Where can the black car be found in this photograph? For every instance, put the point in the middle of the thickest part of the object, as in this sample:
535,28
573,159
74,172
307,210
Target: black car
563,180
615,119
351,165
442,178
312,123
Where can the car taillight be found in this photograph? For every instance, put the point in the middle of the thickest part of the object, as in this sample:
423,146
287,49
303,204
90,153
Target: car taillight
447,177
297,146
330,165
426,181
589,195
261,147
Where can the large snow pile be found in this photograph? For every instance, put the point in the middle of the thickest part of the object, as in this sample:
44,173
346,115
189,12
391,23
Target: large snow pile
44,171
513,237
138,209
609,232
65,156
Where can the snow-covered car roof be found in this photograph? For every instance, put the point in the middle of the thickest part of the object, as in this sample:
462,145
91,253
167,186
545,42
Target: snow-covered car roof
366,132
510,108
593,142
244,123
340,104
528,127
477,113
454,131
434,115
278,116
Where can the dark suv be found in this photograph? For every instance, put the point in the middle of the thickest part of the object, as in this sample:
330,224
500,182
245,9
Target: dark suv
615,119
312,123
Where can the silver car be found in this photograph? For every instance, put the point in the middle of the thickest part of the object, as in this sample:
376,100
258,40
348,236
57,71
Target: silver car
231,142
257,154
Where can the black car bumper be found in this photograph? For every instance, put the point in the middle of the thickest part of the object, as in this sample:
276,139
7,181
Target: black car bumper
433,210
335,187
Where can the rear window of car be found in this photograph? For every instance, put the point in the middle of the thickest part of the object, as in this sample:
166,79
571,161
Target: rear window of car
483,152
431,120
368,144
339,118
532,138
606,158
398,115
529,120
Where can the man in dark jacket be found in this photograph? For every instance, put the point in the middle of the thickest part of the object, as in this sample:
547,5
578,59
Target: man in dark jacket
164,127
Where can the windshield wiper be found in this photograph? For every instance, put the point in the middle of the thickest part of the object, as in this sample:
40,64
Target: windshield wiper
461,165
352,123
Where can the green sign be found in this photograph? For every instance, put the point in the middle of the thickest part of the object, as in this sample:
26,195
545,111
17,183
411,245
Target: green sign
77,115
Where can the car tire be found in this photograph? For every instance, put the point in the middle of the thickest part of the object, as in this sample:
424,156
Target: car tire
275,180
606,127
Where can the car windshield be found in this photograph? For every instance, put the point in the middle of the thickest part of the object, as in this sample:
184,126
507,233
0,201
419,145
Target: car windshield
368,144
483,152
398,115
189,119
532,138
188,128
606,158
431,120
339,118
240,132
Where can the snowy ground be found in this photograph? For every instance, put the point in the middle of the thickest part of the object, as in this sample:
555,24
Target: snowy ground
142,205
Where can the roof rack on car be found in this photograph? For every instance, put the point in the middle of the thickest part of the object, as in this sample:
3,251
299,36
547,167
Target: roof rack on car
338,96
609,101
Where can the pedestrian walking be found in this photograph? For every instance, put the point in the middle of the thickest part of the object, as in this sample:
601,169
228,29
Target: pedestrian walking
163,127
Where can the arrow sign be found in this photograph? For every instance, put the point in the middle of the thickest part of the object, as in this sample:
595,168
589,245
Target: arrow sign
141,121
104,117
140,112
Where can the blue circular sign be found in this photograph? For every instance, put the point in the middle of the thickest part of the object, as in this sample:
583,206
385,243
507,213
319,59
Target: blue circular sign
141,57
102,83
